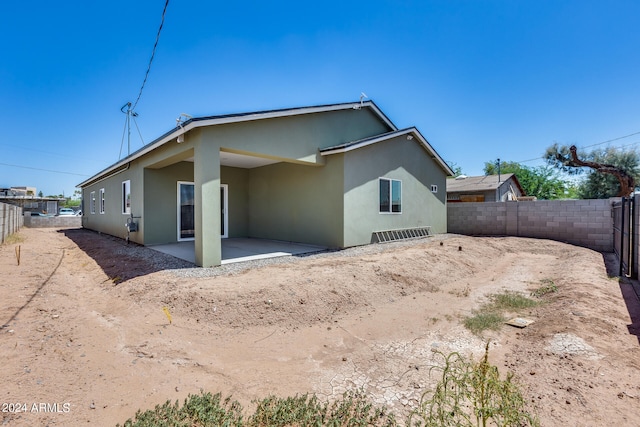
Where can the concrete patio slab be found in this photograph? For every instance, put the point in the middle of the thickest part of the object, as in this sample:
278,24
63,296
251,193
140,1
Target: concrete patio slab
241,249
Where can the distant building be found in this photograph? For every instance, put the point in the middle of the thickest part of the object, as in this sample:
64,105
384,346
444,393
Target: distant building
26,198
488,188
24,191
18,191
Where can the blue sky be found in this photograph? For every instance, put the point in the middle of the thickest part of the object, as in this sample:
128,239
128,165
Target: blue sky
479,79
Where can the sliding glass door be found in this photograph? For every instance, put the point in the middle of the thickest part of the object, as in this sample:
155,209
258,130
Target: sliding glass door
224,219
186,211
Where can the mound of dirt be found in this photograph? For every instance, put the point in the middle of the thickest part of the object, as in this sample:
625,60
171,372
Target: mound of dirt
85,336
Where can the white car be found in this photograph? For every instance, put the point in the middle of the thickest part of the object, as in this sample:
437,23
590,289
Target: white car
66,212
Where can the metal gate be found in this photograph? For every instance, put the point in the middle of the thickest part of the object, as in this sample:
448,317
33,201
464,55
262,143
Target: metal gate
623,226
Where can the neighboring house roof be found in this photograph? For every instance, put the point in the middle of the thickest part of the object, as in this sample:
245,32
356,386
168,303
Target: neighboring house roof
410,132
481,183
196,122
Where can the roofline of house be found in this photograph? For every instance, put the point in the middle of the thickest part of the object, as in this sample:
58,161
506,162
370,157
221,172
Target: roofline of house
285,112
197,122
517,181
412,131
508,176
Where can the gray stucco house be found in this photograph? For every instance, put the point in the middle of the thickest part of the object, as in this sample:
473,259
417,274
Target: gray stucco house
329,175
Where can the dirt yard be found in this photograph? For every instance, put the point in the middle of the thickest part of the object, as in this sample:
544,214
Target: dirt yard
84,339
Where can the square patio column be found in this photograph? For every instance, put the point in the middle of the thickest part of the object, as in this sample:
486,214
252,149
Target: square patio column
206,177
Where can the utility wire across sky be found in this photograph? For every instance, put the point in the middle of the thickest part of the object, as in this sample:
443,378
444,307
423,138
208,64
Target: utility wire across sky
594,145
130,108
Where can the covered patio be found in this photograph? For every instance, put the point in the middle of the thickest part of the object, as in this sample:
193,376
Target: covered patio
240,249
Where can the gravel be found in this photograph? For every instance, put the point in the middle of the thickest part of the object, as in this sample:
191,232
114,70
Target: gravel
239,267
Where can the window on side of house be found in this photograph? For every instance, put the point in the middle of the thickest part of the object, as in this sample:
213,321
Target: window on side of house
126,197
102,200
92,202
434,188
390,195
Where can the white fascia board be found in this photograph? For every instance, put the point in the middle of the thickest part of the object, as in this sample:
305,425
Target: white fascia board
293,112
380,114
197,122
410,131
128,159
433,152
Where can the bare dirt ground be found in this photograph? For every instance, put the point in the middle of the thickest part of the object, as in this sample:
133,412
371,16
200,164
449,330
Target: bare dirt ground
83,335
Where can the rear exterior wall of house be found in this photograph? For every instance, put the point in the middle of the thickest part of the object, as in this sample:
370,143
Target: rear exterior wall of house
423,190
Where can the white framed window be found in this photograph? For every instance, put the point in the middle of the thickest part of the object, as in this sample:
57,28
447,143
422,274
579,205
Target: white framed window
102,200
390,195
126,197
434,188
92,202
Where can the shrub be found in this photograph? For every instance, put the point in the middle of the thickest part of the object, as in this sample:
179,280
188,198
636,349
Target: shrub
352,410
467,394
207,410
203,410
471,394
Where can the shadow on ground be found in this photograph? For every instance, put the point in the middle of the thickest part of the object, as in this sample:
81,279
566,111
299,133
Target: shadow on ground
630,291
122,261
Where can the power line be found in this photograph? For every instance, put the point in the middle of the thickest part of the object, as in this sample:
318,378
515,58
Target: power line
29,148
611,140
135,122
124,132
153,53
530,160
131,107
628,145
44,170
593,145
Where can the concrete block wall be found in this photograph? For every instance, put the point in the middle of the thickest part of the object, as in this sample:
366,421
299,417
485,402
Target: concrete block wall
10,220
488,218
586,223
52,221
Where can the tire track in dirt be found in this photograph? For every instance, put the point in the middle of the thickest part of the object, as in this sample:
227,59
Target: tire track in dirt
35,293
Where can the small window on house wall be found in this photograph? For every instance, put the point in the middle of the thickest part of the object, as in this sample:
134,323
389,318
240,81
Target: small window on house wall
92,202
434,188
102,200
390,195
126,197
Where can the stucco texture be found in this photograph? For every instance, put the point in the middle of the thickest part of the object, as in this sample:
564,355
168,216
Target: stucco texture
400,159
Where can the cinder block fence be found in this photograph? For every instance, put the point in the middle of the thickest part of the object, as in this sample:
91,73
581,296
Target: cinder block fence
52,221
586,223
10,220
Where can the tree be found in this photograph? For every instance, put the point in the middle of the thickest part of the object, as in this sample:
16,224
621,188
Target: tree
457,170
612,171
542,182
